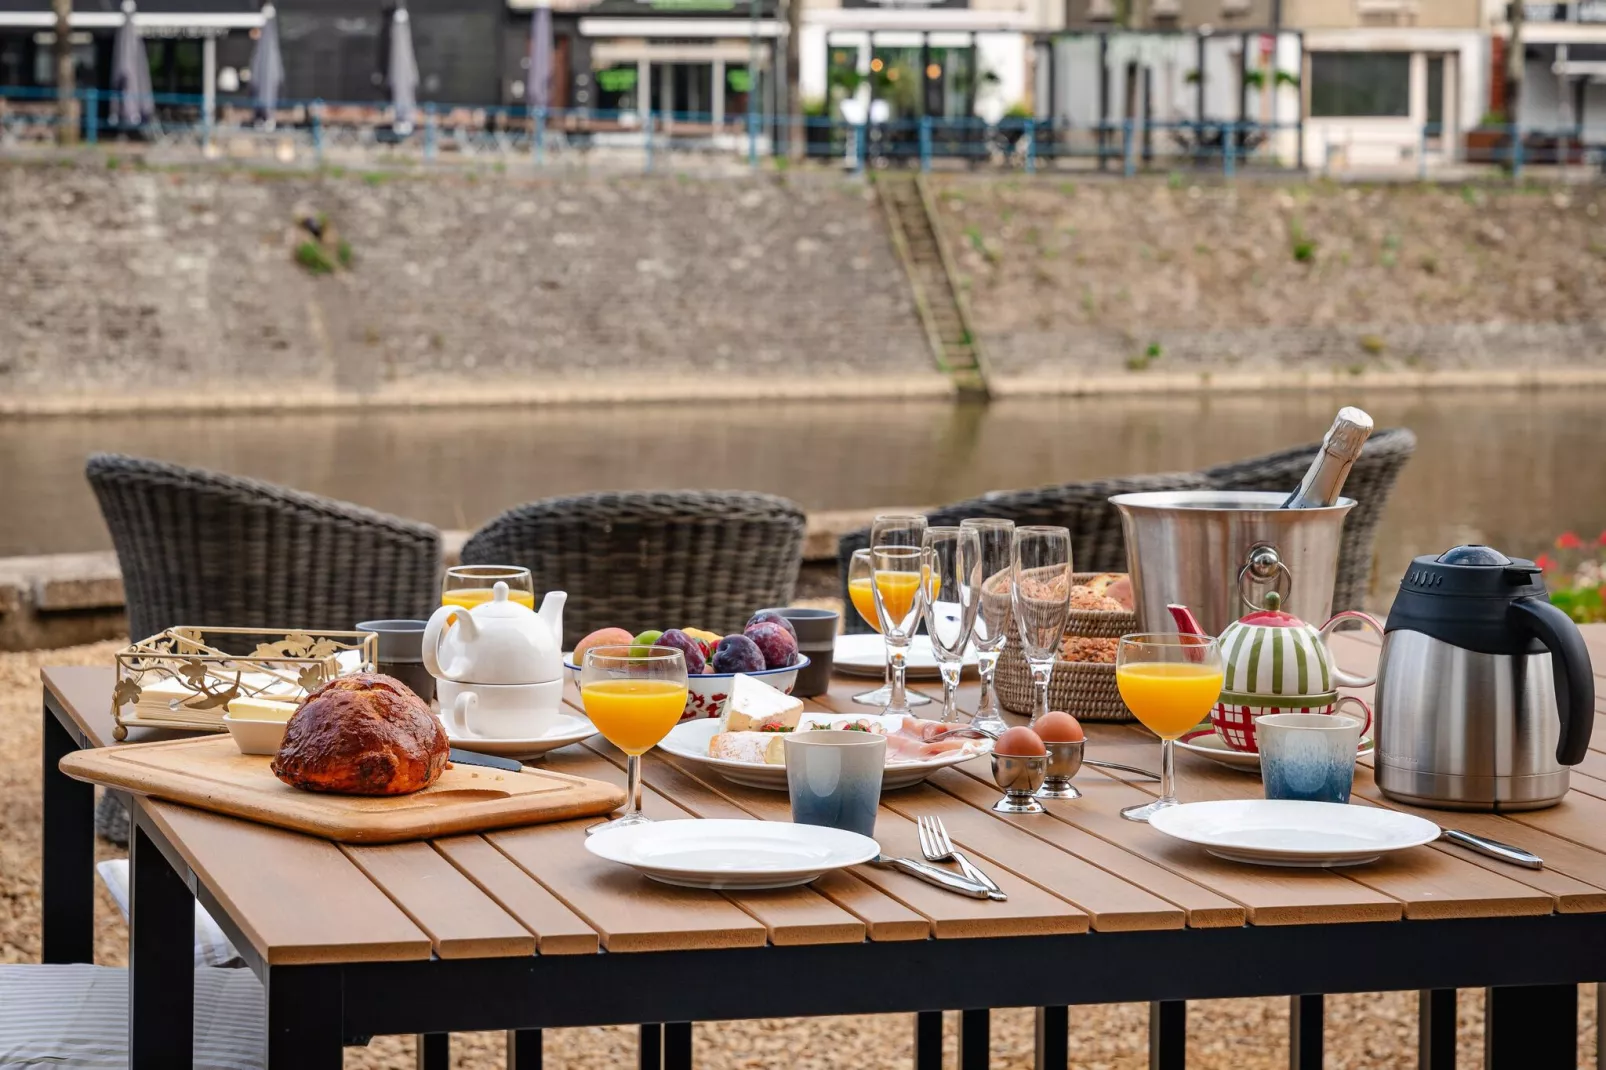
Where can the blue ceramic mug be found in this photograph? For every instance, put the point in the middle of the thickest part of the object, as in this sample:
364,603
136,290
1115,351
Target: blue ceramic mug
1308,756
835,778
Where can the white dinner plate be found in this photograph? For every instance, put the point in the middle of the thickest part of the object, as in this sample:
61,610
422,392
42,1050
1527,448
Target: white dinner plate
723,854
1281,832
570,728
688,741
1207,743
866,655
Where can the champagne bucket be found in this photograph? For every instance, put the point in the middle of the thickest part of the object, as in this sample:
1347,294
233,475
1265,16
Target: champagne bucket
1219,552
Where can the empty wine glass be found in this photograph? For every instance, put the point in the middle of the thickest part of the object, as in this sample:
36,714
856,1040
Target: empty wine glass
953,589
900,596
1040,596
997,541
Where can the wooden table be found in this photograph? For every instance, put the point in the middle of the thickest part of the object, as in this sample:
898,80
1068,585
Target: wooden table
524,929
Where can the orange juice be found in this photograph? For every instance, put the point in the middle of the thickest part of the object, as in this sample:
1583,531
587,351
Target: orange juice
634,714
469,597
898,590
1169,697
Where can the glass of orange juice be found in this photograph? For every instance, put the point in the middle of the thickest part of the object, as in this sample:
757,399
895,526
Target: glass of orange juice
634,698
1169,682
861,592
466,586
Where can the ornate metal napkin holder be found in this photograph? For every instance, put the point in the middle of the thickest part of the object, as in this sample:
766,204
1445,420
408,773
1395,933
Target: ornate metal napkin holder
186,677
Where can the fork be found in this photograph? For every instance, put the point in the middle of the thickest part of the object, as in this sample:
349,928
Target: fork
936,845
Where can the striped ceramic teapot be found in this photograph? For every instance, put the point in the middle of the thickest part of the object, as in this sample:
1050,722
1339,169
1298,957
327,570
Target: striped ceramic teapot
1274,662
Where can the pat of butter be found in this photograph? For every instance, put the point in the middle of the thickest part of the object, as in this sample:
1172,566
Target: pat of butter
259,709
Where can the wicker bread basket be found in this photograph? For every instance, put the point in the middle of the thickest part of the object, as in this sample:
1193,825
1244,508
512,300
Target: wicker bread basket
1084,689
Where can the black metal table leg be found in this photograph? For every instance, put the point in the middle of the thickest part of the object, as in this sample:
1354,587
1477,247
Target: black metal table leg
928,1040
650,1050
1305,1032
523,1049
161,960
1168,1035
975,1041
1531,1027
1053,1047
1435,1031
67,889
677,1046
304,1027
434,1051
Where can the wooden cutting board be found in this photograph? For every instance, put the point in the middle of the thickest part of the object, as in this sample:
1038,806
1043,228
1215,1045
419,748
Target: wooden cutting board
211,774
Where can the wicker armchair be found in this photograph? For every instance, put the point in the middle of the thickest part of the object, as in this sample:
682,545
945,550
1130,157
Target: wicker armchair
1370,483
655,559
1097,544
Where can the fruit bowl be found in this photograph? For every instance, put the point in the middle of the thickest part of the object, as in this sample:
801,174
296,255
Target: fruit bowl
706,692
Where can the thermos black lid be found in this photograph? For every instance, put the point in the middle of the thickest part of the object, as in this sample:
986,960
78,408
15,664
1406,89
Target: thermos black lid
1461,596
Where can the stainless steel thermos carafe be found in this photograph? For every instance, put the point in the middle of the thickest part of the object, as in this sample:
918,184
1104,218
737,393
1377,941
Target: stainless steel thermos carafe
1484,689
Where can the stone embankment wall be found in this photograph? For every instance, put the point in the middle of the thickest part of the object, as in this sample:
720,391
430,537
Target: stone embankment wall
1156,279
119,281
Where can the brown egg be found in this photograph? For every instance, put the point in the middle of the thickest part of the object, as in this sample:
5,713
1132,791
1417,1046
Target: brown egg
1020,742
1057,726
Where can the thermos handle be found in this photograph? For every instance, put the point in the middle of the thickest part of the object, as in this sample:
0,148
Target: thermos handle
1569,659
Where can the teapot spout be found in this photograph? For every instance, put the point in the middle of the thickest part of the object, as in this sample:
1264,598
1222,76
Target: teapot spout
1187,623
551,612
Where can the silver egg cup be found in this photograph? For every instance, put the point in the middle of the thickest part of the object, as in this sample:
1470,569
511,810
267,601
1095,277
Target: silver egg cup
1064,759
1020,776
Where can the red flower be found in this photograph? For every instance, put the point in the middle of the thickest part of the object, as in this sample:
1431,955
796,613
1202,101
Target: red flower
1545,562
1602,540
1569,540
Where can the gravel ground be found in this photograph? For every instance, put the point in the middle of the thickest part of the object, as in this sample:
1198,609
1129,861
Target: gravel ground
1372,1030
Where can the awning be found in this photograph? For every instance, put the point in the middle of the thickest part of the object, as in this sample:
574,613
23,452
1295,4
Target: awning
215,15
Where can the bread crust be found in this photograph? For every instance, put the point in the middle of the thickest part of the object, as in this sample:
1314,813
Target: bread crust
362,734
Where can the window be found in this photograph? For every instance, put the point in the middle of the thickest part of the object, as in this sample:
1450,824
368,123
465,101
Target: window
1360,84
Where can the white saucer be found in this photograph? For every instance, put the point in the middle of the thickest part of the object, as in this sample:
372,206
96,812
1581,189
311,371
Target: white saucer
1207,743
570,728
1281,832
866,655
726,854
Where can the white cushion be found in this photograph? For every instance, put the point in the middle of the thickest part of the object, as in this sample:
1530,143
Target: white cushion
77,1016
212,948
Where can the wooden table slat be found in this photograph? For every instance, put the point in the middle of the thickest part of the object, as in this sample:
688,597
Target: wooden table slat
557,929
459,917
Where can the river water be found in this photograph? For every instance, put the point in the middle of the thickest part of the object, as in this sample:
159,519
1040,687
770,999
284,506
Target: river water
1510,468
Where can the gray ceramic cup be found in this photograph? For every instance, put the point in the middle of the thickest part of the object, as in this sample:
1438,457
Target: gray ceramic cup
816,637
401,653
835,778
1308,756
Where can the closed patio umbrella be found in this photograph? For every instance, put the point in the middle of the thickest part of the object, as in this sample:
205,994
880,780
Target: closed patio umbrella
131,74
267,67
538,82
402,72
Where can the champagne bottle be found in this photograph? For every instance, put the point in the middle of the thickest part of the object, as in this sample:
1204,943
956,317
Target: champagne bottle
1340,446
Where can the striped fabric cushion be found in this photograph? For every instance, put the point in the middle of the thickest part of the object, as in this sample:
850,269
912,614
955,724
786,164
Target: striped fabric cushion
212,948
77,1016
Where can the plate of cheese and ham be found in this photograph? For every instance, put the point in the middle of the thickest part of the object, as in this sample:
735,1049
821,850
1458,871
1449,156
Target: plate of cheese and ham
746,745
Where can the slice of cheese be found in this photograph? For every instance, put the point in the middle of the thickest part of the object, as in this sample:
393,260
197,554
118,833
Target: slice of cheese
753,703
261,709
757,748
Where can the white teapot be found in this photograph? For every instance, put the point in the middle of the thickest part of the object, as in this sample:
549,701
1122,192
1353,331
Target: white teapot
499,666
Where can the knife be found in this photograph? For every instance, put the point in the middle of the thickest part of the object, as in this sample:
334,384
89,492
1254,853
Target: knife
953,882
1493,848
468,757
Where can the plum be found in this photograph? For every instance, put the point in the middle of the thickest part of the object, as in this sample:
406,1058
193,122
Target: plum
778,645
737,653
690,647
772,616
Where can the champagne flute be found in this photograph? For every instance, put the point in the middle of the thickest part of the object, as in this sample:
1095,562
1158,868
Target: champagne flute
900,595
902,529
634,697
953,590
997,540
1169,682
1040,596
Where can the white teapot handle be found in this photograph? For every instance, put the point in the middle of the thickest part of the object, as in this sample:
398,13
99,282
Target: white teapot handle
435,629
1340,677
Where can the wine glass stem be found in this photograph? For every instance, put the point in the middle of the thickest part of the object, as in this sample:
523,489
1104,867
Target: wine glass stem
1168,771
633,785
986,702
900,697
950,691
1041,671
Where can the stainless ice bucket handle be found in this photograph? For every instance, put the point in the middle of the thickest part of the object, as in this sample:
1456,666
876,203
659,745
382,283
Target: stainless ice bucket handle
1265,564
